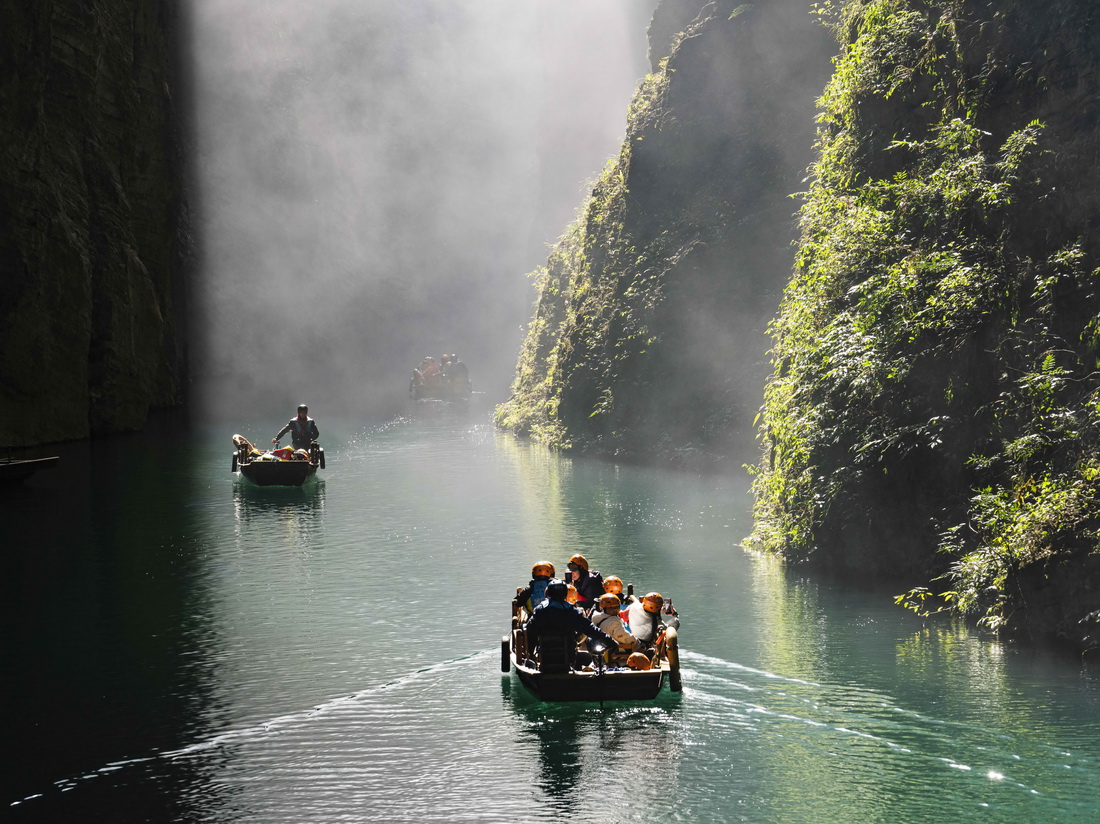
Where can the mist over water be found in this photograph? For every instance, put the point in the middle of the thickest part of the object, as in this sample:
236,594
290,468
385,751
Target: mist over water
375,179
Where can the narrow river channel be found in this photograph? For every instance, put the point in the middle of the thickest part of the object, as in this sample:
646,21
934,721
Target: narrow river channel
180,645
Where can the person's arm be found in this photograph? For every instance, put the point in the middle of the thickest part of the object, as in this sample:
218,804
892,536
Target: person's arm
282,432
314,432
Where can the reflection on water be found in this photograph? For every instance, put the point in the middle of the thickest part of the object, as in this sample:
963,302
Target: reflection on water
584,748
191,647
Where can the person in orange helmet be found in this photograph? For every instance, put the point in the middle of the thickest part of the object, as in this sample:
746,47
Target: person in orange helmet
589,583
535,593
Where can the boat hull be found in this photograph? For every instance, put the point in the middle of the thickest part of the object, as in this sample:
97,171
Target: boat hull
592,685
613,685
278,473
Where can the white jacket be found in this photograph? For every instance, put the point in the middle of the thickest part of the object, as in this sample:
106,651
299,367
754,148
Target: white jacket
644,626
613,626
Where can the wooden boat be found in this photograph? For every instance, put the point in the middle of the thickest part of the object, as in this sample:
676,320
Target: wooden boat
276,467
13,470
597,683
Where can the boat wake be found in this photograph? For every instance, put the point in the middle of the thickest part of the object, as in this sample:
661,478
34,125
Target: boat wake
265,729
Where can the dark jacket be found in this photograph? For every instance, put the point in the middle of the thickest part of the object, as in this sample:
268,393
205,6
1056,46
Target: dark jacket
560,618
589,587
301,435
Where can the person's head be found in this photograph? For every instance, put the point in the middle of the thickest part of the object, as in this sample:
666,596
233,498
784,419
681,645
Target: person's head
613,584
446,359
542,569
652,602
571,594
303,410
578,562
557,590
638,661
610,603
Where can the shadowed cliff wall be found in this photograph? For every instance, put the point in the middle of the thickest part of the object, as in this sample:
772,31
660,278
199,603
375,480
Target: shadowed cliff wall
93,230
648,336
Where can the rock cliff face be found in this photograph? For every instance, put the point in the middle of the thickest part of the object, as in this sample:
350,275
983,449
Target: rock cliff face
933,412
936,379
648,334
93,231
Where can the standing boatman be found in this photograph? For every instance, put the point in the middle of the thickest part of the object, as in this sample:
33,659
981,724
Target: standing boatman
302,429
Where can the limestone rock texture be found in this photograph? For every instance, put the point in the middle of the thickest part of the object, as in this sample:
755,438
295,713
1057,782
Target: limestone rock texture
94,238
648,337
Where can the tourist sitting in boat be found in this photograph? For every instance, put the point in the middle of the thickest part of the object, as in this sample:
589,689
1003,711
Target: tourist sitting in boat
556,625
535,592
614,584
644,619
588,583
572,596
302,429
606,617
455,376
428,373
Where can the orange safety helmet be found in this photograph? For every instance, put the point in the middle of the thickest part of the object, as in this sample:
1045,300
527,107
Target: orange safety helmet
542,568
571,594
613,584
638,661
609,602
580,561
652,602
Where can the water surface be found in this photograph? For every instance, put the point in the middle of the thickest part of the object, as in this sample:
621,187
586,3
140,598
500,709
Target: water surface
183,646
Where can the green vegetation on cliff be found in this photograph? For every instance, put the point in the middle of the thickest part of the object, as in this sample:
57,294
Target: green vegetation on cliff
648,330
937,353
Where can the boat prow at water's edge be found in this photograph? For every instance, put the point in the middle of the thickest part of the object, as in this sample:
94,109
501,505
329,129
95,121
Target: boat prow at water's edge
18,469
276,467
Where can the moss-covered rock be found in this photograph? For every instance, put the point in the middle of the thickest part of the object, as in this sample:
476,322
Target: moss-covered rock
936,380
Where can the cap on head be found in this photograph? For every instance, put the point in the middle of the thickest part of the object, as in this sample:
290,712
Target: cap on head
571,594
580,561
543,568
557,590
613,583
609,602
638,660
652,602
303,408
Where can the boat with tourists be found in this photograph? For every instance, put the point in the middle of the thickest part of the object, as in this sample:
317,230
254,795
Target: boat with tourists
552,674
277,466
13,470
442,381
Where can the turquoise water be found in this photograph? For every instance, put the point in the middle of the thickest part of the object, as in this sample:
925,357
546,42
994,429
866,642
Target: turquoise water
183,646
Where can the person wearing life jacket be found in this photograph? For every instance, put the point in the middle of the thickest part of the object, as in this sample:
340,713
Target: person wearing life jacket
557,617
606,617
535,592
589,584
302,429
643,618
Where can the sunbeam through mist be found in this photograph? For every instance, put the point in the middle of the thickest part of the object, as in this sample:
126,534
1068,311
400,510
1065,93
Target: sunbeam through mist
375,179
